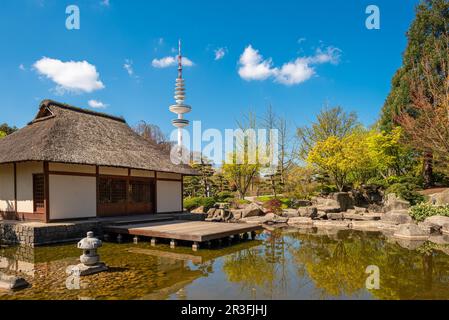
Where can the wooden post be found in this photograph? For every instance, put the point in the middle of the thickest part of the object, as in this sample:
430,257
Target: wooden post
173,243
153,242
46,192
136,240
195,246
15,190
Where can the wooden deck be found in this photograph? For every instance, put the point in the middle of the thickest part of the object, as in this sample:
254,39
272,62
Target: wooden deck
196,231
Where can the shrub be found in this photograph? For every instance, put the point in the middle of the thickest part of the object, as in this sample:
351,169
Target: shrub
224,196
274,205
192,203
423,210
406,191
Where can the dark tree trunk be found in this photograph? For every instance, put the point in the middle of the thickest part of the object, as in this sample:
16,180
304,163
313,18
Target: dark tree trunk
428,170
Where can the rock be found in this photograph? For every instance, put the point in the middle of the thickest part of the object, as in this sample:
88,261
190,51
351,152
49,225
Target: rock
445,229
410,231
12,282
236,213
440,199
360,210
199,210
362,217
325,202
429,227
329,209
397,217
290,213
410,244
301,203
438,220
258,220
211,212
344,200
303,221
220,215
310,212
332,224
321,215
277,220
335,216
439,239
252,210
393,203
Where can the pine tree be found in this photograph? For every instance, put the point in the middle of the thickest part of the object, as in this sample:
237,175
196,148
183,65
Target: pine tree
431,22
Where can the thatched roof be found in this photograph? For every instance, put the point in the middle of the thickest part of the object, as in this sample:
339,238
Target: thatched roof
66,134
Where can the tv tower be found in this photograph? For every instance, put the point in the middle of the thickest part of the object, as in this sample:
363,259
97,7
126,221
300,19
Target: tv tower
180,108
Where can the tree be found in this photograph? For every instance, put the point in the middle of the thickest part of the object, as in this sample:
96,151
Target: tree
334,122
154,135
6,129
272,121
201,185
427,129
240,173
426,32
388,154
341,157
2,134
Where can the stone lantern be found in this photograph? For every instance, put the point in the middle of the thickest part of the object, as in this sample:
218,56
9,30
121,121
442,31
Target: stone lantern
89,246
90,260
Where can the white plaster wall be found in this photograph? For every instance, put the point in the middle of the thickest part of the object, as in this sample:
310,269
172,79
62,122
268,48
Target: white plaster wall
78,168
165,175
169,196
142,173
7,188
111,171
72,197
25,171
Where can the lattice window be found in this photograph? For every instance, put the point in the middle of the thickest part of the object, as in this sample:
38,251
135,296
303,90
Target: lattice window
140,191
39,192
112,190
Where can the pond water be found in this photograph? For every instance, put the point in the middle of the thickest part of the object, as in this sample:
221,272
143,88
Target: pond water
278,265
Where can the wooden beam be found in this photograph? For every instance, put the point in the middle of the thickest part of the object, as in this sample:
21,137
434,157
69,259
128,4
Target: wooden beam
78,174
182,193
46,192
15,189
97,179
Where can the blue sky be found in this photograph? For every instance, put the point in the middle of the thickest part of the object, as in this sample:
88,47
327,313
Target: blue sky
302,55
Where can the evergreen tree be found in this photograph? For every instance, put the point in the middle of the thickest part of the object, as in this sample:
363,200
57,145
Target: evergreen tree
426,32
431,22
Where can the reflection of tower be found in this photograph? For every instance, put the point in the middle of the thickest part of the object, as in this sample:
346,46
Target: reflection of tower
180,108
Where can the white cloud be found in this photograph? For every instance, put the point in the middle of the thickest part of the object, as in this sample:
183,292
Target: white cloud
220,53
129,67
97,104
22,67
294,72
254,67
170,62
105,3
71,76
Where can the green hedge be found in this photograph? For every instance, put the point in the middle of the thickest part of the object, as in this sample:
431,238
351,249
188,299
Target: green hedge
423,210
193,203
406,191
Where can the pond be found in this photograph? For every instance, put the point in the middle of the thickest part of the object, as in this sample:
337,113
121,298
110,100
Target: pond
286,264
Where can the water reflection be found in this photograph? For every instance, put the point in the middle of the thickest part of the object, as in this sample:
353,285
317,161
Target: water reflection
280,265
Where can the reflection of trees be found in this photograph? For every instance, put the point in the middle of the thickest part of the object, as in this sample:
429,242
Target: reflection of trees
337,267
333,265
264,267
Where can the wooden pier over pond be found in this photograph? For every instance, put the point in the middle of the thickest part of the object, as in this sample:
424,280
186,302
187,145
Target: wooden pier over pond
195,231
